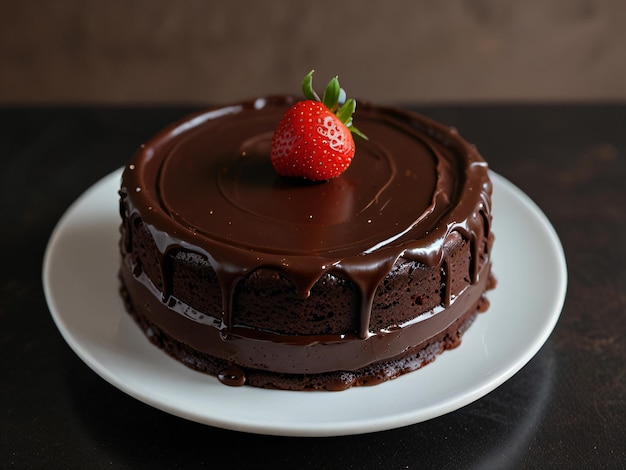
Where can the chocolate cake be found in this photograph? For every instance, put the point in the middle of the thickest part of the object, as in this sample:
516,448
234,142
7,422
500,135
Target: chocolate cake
283,283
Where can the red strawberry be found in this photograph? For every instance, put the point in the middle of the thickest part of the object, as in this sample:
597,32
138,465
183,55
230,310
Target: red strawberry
313,139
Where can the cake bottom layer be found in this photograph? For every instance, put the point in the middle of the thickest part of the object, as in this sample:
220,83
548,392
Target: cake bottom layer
412,359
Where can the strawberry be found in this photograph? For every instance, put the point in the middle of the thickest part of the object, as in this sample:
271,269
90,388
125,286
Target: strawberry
313,139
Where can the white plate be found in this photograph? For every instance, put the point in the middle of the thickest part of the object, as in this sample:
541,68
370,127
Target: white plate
81,287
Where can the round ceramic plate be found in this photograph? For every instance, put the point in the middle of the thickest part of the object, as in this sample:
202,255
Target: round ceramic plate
81,287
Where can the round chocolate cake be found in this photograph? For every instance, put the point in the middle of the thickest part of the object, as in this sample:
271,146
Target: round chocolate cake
281,283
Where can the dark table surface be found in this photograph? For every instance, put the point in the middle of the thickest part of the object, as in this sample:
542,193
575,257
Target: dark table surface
565,409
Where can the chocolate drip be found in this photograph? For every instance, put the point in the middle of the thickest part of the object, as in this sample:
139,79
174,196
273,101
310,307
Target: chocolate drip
232,376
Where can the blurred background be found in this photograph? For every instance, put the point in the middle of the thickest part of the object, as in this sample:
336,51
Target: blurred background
196,52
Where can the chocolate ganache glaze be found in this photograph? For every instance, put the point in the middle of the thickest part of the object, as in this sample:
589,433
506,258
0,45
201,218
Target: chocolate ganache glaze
205,186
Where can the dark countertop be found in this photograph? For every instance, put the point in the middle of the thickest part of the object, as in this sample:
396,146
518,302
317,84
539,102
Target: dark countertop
565,409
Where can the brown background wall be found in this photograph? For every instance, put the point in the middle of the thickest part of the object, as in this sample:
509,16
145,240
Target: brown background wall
193,51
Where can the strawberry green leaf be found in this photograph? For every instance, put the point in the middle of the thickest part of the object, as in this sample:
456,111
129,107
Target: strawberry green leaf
331,94
307,87
355,131
346,111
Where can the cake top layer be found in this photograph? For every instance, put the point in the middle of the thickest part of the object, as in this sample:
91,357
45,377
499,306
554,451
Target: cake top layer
207,184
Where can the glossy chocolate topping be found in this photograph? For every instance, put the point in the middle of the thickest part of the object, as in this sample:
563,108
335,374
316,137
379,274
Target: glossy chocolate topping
207,185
